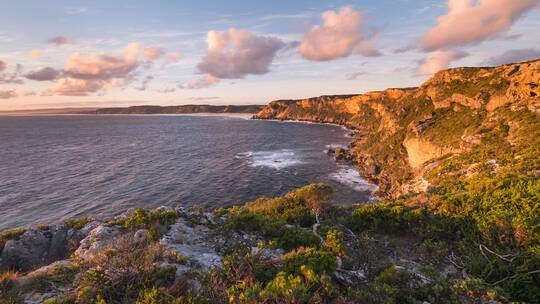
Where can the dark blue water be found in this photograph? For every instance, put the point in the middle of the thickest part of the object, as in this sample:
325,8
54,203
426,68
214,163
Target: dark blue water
57,167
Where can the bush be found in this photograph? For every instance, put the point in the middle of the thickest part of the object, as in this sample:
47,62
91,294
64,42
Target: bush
333,242
296,207
77,223
321,262
155,221
123,270
156,296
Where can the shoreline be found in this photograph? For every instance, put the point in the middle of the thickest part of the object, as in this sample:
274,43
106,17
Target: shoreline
235,115
376,180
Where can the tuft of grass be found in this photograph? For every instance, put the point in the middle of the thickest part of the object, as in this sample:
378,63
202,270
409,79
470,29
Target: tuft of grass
77,223
10,234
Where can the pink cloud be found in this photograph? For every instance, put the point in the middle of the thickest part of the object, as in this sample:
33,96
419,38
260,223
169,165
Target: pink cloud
83,75
164,89
97,66
469,21
7,94
61,40
175,56
3,66
235,53
79,87
36,53
154,53
204,82
438,60
12,93
340,35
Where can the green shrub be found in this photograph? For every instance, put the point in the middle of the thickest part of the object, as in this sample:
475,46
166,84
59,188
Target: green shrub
156,296
321,262
334,242
155,221
77,223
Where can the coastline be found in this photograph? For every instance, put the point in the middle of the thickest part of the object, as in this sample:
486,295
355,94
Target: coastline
358,160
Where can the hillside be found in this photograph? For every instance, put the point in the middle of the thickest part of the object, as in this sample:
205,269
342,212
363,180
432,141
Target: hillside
459,122
183,109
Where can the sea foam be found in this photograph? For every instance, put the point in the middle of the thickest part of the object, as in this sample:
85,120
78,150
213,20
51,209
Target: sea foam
349,176
277,159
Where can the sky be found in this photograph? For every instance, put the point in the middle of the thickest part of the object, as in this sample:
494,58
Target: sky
57,53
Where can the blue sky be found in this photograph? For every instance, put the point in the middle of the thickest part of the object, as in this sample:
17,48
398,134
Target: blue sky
118,53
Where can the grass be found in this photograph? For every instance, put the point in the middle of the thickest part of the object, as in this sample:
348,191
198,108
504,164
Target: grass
77,223
9,234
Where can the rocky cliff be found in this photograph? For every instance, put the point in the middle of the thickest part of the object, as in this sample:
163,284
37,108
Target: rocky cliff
406,135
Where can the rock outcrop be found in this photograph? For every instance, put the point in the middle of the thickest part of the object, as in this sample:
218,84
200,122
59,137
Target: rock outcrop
39,246
402,131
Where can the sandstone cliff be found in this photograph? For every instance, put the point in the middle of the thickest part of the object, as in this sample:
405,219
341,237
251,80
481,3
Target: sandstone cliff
407,134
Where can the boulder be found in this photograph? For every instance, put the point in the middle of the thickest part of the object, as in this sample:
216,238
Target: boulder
97,239
39,246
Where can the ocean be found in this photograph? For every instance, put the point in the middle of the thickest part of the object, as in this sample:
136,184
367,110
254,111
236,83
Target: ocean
58,167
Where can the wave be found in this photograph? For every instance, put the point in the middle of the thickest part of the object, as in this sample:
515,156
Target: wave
277,159
349,176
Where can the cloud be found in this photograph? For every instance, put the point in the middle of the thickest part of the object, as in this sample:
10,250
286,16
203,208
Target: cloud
302,15
83,75
145,82
513,56
43,74
202,98
438,60
469,21
341,35
235,53
12,77
354,76
175,56
79,87
7,94
103,67
154,53
75,10
164,89
61,40
204,82
36,53
12,93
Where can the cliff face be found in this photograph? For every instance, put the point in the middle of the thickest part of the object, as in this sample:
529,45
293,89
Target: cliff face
407,134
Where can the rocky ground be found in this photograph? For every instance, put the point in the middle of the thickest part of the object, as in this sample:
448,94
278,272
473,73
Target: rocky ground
180,247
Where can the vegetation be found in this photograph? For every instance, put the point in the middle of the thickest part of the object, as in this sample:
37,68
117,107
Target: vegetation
10,234
155,221
472,237
77,223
